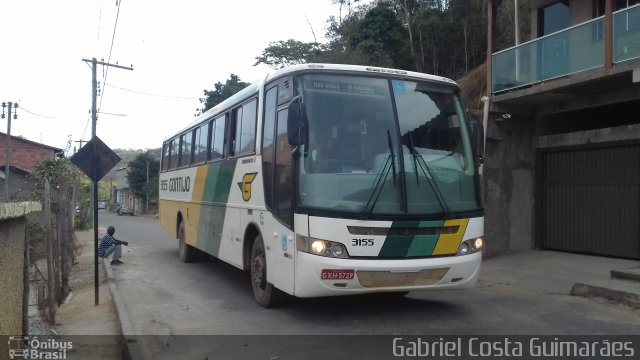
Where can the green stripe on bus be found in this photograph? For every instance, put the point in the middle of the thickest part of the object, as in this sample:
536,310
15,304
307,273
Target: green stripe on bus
411,245
422,245
214,200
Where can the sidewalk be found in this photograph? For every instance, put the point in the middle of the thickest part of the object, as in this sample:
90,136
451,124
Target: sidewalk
548,271
79,316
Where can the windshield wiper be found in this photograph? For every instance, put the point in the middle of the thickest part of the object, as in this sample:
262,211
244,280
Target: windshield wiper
389,163
418,160
393,156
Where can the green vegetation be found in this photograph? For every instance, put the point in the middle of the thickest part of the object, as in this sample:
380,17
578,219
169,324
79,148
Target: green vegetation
441,37
144,164
221,92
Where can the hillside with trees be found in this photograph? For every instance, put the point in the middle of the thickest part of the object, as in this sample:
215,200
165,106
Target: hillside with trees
440,37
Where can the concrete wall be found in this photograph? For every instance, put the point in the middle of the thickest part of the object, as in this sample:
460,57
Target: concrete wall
11,263
21,186
509,177
509,190
618,133
12,239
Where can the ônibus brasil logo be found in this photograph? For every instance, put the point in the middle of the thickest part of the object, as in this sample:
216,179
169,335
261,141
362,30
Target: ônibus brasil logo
26,347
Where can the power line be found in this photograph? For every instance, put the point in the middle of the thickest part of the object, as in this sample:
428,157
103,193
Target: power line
113,37
99,25
151,94
86,126
42,116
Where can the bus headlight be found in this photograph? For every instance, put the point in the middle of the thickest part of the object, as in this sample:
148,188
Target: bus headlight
317,247
471,246
321,247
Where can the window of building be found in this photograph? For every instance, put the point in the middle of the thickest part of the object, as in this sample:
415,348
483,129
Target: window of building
553,18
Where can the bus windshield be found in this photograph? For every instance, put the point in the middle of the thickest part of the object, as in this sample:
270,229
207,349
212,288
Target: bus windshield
381,147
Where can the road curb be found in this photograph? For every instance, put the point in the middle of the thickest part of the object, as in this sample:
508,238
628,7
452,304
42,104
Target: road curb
620,295
131,346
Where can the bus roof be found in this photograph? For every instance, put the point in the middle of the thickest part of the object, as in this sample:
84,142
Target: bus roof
255,86
355,68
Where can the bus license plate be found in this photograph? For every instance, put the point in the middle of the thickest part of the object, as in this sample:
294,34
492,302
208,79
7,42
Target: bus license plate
337,274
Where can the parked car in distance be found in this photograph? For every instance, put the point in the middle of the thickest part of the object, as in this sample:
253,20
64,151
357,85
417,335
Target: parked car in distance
125,210
102,205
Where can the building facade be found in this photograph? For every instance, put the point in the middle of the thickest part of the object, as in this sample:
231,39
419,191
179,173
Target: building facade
562,162
25,156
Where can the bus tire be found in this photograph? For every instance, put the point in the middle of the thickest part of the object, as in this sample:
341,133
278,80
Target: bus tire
263,291
187,252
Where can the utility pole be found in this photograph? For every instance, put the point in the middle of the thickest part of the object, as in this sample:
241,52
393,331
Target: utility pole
80,142
94,120
7,156
147,207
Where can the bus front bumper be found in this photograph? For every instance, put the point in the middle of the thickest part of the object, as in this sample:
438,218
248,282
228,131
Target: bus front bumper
349,276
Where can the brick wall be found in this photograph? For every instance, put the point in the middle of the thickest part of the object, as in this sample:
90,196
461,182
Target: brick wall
26,154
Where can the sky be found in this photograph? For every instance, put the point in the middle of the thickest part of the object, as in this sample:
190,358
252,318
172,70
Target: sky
176,48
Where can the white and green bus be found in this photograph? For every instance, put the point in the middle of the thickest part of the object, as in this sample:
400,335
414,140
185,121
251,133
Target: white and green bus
324,179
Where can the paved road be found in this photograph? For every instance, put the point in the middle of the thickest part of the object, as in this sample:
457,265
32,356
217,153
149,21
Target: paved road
164,296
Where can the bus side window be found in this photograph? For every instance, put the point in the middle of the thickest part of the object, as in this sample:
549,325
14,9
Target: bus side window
282,207
244,139
185,149
173,154
217,137
165,156
268,144
195,138
237,131
201,142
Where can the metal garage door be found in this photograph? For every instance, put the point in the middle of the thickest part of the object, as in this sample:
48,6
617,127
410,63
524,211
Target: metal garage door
589,200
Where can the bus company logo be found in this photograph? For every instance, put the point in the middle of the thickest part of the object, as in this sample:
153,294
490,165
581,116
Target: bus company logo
25,347
245,185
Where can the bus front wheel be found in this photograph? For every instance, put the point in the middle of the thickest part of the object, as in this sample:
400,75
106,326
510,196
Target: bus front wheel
263,291
187,252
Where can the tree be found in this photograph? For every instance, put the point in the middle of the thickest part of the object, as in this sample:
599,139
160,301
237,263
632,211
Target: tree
380,38
221,92
283,53
59,172
137,176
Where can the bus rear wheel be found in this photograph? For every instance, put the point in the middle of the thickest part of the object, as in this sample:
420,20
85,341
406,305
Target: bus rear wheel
187,252
263,291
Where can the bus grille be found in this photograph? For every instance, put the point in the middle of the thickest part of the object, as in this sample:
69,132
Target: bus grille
374,279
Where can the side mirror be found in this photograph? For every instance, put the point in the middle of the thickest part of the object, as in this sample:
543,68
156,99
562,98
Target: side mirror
296,122
477,137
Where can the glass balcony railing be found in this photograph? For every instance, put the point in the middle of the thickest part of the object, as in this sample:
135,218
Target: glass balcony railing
626,34
568,51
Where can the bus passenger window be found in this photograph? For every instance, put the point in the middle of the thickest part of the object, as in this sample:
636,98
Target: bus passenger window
185,149
245,129
165,156
173,154
217,137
